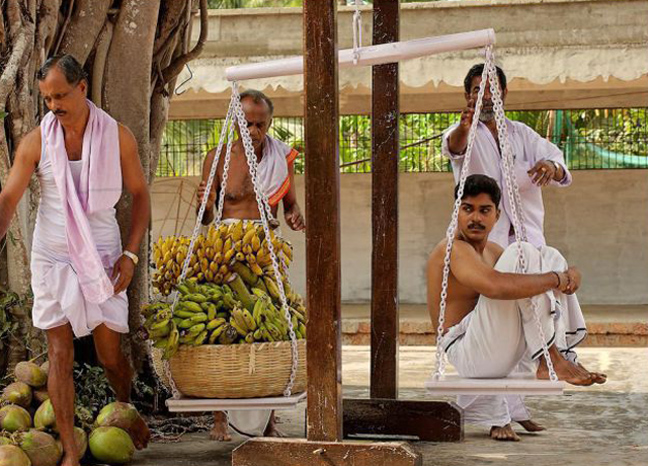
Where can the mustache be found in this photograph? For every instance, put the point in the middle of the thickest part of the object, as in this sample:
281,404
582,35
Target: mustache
59,112
476,226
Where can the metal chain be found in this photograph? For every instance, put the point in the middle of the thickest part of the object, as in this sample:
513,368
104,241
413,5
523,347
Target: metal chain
489,72
514,195
266,214
194,236
452,229
357,32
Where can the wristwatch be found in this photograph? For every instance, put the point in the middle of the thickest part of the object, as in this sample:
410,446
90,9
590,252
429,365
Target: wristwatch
131,256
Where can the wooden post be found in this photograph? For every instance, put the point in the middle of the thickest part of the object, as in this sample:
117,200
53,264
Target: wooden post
323,283
324,445
385,147
383,414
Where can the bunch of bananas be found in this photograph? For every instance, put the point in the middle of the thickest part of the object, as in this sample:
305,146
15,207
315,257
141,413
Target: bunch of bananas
213,314
217,255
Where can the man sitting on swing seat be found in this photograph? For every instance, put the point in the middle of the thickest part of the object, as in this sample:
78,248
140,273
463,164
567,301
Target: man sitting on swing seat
489,323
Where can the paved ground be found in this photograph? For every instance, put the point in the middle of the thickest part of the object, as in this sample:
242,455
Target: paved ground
606,425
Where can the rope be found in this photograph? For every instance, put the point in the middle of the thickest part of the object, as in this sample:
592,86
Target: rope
490,74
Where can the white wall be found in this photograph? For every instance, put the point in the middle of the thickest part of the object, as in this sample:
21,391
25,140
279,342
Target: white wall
600,224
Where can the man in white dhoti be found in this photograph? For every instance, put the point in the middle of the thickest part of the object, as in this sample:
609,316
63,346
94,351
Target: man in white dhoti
276,174
489,324
80,272
538,163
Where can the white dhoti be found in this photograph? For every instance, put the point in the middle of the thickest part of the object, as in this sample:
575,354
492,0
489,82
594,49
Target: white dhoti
501,336
57,287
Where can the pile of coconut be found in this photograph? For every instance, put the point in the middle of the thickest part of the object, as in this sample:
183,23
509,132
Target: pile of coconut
29,436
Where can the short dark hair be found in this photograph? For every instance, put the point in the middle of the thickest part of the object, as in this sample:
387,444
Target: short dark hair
477,70
258,97
67,64
480,184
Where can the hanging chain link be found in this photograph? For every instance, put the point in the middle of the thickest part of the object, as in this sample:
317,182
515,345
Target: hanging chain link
514,195
266,215
201,212
452,230
489,74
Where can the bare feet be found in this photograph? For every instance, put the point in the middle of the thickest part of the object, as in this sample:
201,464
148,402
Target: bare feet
140,433
504,434
597,377
531,426
69,460
272,430
220,431
565,370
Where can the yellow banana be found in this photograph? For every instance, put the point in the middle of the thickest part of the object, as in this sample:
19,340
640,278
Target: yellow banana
247,239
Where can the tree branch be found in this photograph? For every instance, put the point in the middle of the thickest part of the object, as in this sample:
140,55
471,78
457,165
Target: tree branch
85,26
176,65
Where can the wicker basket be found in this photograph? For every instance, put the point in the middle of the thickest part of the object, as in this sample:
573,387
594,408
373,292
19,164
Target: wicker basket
254,370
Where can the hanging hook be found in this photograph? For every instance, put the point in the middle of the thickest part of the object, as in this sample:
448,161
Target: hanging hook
177,89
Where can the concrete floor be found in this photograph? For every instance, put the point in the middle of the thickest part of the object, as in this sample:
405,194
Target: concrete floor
604,425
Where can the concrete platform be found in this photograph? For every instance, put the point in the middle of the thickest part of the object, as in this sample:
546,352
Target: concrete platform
608,325
594,426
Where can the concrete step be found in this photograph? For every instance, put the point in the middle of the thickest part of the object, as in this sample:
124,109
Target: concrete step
608,325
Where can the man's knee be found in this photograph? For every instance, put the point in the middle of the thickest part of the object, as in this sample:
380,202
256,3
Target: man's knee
112,361
508,261
61,357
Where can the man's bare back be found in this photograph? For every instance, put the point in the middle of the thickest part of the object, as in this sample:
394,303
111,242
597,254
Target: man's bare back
461,299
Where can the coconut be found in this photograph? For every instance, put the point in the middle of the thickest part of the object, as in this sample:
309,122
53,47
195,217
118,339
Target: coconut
118,414
40,395
81,440
14,418
30,373
41,448
45,367
45,417
11,455
111,445
18,393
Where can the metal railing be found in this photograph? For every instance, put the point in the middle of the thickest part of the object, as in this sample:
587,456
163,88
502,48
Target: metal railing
590,139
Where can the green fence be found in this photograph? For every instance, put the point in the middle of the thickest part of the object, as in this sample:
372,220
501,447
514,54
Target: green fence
590,139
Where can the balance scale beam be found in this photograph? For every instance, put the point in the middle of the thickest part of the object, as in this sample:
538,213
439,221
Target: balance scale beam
369,56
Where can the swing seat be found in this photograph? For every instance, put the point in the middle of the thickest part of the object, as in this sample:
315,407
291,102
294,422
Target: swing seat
514,384
183,404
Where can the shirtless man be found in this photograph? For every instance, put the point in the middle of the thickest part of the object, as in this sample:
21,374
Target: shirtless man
277,176
489,323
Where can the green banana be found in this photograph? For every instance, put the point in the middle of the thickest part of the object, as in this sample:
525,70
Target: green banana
196,329
211,311
273,289
201,338
249,338
215,323
216,333
241,291
192,306
245,273
161,344
249,319
238,329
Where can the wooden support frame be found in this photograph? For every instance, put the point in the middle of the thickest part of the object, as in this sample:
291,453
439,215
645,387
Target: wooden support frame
323,268
383,415
385,143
